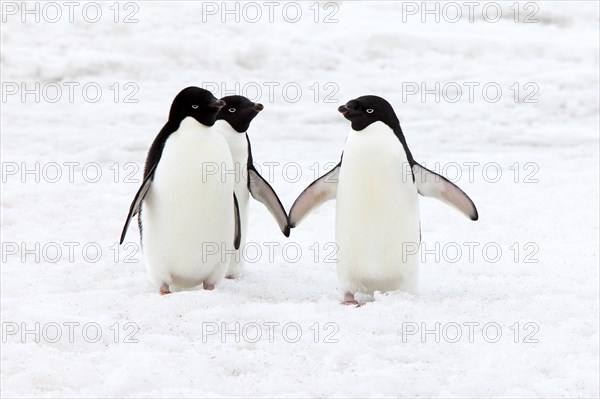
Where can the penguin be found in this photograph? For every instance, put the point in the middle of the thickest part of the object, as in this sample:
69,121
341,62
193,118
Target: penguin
376,186
187,210
233,122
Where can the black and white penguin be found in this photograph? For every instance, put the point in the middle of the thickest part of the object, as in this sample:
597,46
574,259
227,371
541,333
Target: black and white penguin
377,207
187,211
233,122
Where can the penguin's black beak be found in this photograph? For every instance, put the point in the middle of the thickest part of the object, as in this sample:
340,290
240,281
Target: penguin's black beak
218,104
343,110
258,107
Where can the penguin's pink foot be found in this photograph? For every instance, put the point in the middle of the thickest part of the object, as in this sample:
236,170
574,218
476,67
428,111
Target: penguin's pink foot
208,286
349,299
230,277
164,289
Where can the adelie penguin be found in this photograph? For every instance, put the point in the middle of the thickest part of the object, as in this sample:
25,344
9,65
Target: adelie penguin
187,211
377,207
233,122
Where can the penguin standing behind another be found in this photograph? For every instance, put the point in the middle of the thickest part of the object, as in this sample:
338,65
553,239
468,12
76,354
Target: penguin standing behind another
233,122
187,211
377,207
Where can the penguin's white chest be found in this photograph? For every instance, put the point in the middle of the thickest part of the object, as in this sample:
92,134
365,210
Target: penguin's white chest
377,214
188,213
238,145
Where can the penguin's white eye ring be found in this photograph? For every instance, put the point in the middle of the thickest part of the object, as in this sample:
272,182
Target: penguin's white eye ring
194,106
232,110
370,111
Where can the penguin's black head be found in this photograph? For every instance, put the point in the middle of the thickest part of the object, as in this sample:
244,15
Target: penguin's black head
239,112
365,110
198,103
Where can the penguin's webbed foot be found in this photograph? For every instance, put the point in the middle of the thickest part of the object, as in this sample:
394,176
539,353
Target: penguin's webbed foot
164,289
349,299
208,286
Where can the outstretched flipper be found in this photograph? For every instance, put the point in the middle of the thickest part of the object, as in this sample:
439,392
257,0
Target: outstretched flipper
137,201
238,230
321,190
430,184
264,193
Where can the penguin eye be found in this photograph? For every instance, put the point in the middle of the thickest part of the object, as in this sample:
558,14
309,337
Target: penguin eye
370,111
194,106
232,110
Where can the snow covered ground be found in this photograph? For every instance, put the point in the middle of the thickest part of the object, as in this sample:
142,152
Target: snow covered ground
79,317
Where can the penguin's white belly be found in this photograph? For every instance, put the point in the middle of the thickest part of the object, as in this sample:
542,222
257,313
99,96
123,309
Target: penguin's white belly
238,145
377,214
188,213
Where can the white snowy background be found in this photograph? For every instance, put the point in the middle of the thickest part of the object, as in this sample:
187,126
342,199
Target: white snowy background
545,219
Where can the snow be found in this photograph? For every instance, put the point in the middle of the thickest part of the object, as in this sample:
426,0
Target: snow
553,217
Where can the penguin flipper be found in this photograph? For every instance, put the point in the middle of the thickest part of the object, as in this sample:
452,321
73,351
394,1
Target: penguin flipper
430,184
238,229
264,193
321,190
137,201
